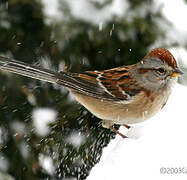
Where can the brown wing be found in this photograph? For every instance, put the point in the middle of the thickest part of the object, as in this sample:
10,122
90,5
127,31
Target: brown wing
119,83
113,84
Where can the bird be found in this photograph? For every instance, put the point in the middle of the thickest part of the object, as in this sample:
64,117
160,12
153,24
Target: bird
123,95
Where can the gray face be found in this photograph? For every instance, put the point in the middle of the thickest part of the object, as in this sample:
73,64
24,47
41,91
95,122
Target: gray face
153,74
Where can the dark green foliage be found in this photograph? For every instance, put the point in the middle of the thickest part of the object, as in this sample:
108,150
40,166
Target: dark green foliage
82,46
24,36
136,3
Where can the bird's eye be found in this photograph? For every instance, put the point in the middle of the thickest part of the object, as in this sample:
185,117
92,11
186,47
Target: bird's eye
161,71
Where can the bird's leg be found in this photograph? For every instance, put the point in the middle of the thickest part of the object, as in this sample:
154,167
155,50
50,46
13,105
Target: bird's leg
127,126
109,125
117,132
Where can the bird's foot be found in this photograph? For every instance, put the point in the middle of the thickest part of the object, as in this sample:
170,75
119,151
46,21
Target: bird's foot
117,132
127,126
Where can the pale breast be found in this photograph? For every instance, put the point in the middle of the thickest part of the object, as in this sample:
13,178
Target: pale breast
135,111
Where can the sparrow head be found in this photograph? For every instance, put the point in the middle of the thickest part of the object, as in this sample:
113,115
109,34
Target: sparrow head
157,69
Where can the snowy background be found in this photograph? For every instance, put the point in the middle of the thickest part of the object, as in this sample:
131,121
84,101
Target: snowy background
157,143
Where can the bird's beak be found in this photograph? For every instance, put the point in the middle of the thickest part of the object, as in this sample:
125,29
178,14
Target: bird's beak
177,72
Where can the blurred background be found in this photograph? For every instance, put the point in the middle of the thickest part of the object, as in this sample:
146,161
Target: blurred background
44,133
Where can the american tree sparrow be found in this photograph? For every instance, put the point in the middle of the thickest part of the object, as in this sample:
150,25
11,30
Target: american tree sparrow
122,95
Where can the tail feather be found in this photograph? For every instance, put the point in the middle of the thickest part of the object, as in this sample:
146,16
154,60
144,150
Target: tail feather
66,79
10,65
